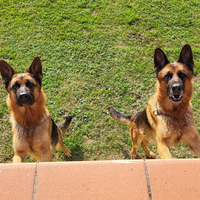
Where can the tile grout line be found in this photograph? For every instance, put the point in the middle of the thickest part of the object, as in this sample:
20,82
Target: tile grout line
148,181
35,181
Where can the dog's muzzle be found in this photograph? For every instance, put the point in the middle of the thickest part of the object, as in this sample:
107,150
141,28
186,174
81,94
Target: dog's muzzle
175,92
24,98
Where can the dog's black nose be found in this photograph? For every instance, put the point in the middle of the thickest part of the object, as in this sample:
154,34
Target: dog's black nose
177,87
24,98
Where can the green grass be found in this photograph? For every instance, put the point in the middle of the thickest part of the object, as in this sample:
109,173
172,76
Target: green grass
95,54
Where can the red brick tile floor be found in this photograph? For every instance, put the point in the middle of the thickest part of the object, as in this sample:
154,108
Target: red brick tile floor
105,180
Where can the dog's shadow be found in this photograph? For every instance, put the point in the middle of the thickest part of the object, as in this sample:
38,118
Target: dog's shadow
77,153
126,154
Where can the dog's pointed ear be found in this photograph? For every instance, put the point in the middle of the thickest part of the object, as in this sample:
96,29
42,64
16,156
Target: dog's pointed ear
7,72
186,56
160,60
35,70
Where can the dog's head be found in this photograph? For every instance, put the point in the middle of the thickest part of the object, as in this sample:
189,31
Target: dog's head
23,88
175,78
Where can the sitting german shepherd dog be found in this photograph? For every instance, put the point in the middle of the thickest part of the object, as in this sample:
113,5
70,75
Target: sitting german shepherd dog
34,131
168,118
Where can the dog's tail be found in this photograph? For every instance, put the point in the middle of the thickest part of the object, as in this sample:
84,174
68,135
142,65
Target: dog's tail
124,119
65,123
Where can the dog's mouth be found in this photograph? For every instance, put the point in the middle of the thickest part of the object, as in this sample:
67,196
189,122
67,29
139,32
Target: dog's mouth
175,98
25,104
175,92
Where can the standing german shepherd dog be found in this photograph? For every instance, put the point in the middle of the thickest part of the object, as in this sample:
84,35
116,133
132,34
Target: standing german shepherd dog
168,118
34,131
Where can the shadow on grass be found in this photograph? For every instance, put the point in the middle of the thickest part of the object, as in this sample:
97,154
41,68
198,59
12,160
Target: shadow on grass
126,153
77,153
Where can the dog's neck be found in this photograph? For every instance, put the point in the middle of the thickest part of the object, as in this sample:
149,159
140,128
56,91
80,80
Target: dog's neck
174,110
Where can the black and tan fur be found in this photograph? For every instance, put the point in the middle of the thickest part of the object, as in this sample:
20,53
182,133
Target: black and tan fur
34,131
168,117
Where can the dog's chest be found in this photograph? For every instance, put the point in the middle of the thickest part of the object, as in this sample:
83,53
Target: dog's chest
173,129
32,137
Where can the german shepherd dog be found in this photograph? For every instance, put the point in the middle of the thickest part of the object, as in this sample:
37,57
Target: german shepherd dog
168,117
34,131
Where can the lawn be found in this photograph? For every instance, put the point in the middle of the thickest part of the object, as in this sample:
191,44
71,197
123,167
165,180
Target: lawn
96,54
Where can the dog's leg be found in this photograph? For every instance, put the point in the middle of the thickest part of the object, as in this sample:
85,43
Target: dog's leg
66,151
133,153
137,138
45,156
193,140
195,146
60,145
19,156
163,150
147,151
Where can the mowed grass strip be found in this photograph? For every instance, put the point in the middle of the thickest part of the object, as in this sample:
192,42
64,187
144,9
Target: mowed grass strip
96,54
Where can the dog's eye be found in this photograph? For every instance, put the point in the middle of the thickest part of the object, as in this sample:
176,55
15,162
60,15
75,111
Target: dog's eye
16,86
168,76
30,84
182,75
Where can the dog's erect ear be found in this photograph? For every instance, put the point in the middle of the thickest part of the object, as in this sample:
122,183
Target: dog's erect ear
160,60
7,72
35,70
186,56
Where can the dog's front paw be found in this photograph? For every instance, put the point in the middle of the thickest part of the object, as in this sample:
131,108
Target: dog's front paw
151,155
132,155
68,153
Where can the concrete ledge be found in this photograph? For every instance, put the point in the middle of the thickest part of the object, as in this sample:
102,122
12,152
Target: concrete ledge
107,180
